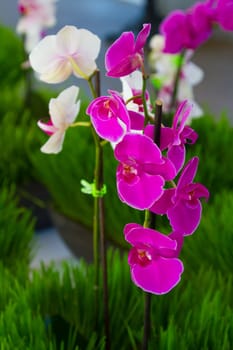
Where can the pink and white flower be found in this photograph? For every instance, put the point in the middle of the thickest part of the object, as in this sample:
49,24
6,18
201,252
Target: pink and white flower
36,16
63,111
70,51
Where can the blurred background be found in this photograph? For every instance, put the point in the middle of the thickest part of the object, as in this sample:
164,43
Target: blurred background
108,18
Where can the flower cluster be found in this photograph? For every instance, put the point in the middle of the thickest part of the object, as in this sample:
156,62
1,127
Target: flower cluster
36,16
152,174
191,28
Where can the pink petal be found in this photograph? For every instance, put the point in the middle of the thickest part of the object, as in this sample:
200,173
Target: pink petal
135,234
159,277
48,127
110,129
121,48
136,120
173,27
188,172
142,37
166,135
138,147
130,226
177,155
142,194
162,205
184,219
179,238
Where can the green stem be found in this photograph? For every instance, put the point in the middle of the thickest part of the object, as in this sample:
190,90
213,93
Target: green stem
86,124
147,117
98,224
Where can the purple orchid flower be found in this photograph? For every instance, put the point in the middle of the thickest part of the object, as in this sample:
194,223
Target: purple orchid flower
153,259
126,54
182,204
174,139
142,171
109,117
187,30
223,15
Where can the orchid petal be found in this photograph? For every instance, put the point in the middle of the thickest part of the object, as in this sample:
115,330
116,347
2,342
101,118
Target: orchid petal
185,219
143,193
162,205
54,143
159,277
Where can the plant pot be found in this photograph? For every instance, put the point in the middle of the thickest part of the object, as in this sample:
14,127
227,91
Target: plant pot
77,237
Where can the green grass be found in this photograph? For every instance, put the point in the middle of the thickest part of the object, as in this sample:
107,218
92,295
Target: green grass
197,314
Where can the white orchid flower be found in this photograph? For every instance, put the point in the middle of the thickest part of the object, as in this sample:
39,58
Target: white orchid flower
165,67
71,50
132,87
36,16
63,111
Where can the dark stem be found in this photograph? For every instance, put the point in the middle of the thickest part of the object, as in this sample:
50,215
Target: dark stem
147,321
152,222
99,176
176,82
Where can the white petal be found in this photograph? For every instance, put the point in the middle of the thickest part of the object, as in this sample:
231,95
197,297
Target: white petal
64,109
126,90
45,127
44,54
57,72
89,46
69,96
157,43
54,143
193,73
86,67
68,99
68,40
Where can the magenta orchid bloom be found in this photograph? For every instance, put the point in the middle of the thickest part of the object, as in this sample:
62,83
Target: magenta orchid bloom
142,171
174,139
224,11
187,30
126,54
109,117
153,259
182,204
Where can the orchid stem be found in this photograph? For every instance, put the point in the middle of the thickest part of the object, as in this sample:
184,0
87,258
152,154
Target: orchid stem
144,77
150,220
98,224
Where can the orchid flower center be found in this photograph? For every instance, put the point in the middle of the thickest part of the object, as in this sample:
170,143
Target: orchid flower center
76,68
27,9
142,254
108,109
130,170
